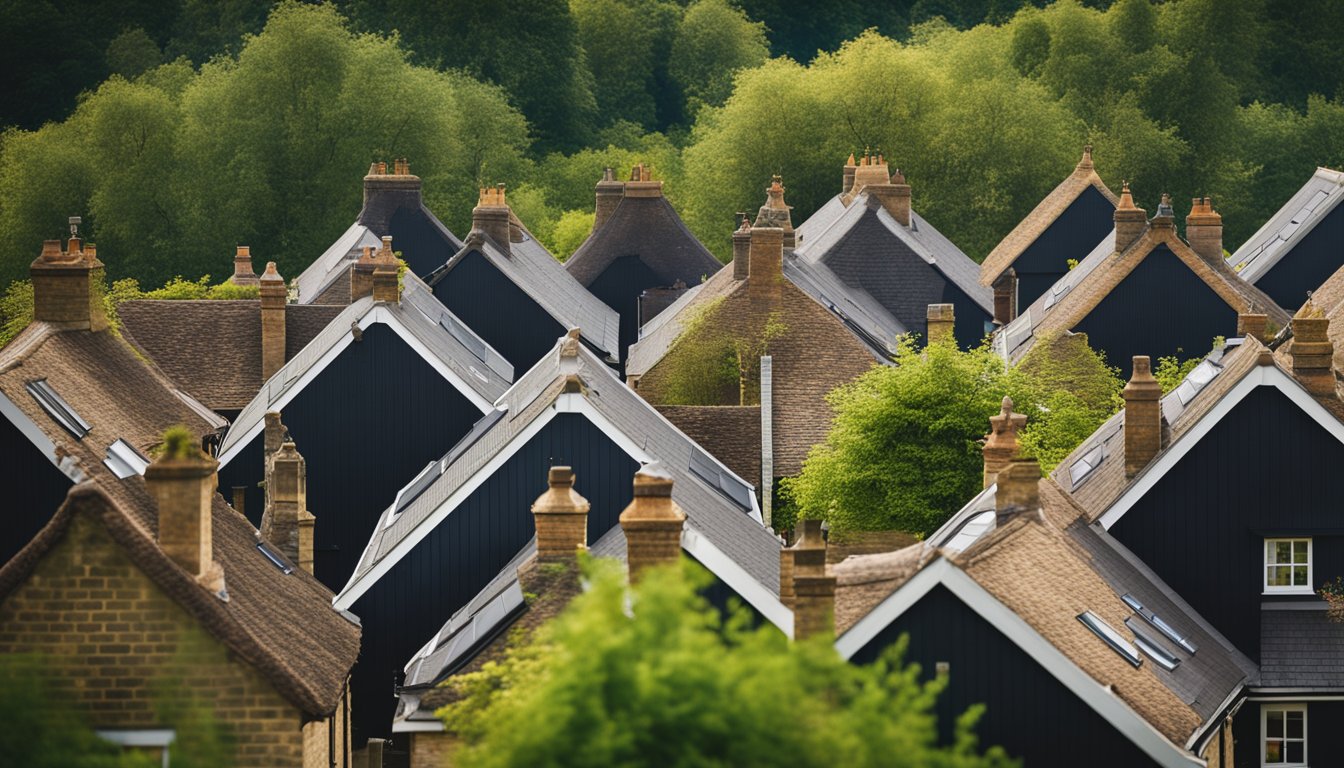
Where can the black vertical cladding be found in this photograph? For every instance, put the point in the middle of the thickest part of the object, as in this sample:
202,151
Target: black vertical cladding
1018,693
726,599
34,490
1315,257
1325,740
469,547
1160,309
1072,235
619,287
423,246
366,425
498,311
1265,469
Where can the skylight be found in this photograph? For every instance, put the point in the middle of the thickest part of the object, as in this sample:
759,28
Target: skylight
1080,469
1196,381
464,337
972,531
705,468
275,558
484,624
1161,626
478,429
124,460
1154,650
59,410
1114,639
417,486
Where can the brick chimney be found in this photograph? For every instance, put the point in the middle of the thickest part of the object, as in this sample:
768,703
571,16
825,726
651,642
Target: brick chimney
386,286
1253,325
361,275
609,194
1143,417
1018,491
286,521
182,482
385,193
775,213
561,516
813,587
242,267
895,197
641,183
274,295
786,577
847,184
491,216
941,321
767,263
742,248
1204,230
1130,220
1001,442
1311,351
68,286
274,434
1005,297
1165,218
652,523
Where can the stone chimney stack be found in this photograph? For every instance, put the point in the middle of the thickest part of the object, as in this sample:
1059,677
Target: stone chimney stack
652,523
813,587
274,434
1018,492
385,193
1311,351
775,213
1204,230
242,267
895,197
767,264
68,285
742,249
1005,297
1165,218
1143,417
386,285
847,185
941,322
361,275
1001,442
491,216
1253,325
286,521
641,183
786,577
1130,220
274,295
609,194
182,482
561,516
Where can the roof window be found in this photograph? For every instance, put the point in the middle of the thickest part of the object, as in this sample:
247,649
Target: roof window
1166,629
59,410
1082,468
464,337
275,558
124,460
1114,639
709,470
1154,650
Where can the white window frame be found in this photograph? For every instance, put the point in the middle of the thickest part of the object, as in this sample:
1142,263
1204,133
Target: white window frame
1265,709
1291,589
142,738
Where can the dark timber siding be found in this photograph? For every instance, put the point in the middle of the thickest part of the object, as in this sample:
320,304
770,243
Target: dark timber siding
619,287
1265,470
1019,695
498,311
1325,739
366,425
1072,235
34,490
469,547
423,247
1312,260
1160,309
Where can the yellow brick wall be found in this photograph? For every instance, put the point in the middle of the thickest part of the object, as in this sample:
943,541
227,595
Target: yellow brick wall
432,750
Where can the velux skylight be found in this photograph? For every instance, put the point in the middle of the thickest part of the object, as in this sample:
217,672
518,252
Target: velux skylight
1080,469
56,407
124,460
1111,637
705,468
1161,626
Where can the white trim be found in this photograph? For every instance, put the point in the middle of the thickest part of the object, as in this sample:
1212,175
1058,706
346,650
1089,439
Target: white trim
1259,376
1293,694
1284,707
1100,699
1291,589
417,726
141,738
702,549
68,466
1199,739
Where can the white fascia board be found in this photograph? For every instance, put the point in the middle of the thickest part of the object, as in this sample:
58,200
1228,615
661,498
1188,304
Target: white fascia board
1260,376
67,465
741,582
417,726
1106,704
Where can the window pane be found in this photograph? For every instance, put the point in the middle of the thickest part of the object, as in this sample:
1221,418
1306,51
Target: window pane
1294,751
1299,552
1273,751
1299,576
1274,723
1295,725
1269,551
1283,551
1278,576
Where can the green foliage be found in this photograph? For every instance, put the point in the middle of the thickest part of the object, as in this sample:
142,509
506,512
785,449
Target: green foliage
626,44
700,367
657,678
571,229
1171,371
179,443
16,310
713,41
180,288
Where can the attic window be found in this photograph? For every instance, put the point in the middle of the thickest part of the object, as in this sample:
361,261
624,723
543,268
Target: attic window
59,410
707,469
1161,626
478,429
464,337
417,486
1082,468
1114,639
1154,650
1196,381
124,461
275,558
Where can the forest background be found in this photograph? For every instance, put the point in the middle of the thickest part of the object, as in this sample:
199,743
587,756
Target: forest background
178,130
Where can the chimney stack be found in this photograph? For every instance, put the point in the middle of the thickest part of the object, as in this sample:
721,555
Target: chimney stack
1204,230
742,248
941,322
274,295
775,213
386,193
895,197
286,521
652,523
274,434
847,185
1005,297
1143,417
1130,220
491,216
242,267
1311,351
182,482
68,285
561,517
361,275
766,254
641,183
1001,442
1253,325
1165,216
786,577
386,286
813,587
1018,492
609,194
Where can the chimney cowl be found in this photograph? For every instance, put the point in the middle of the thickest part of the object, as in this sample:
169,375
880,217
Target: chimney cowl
1130,220
561,517
1001,443
242,267
775,212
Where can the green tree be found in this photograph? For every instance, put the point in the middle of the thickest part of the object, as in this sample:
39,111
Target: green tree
626,43
714,40
657,678
571,229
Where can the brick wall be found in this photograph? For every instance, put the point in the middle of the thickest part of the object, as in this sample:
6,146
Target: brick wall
432,750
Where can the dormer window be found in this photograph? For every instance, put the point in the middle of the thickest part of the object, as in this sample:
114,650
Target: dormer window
1288,565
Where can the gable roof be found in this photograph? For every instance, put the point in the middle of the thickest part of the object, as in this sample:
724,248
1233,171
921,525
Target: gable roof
718,527
649,228
447,344
1329,298
212,349
334,263
1051,207
542,277
1294,221
281,624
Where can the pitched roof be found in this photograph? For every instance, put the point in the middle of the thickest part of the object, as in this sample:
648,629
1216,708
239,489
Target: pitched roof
542,277
1076,294
1042,216
447,343
212,349
716,522
1329,298
334,263
859,310
1303,211
1302,650
649,228
281,624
